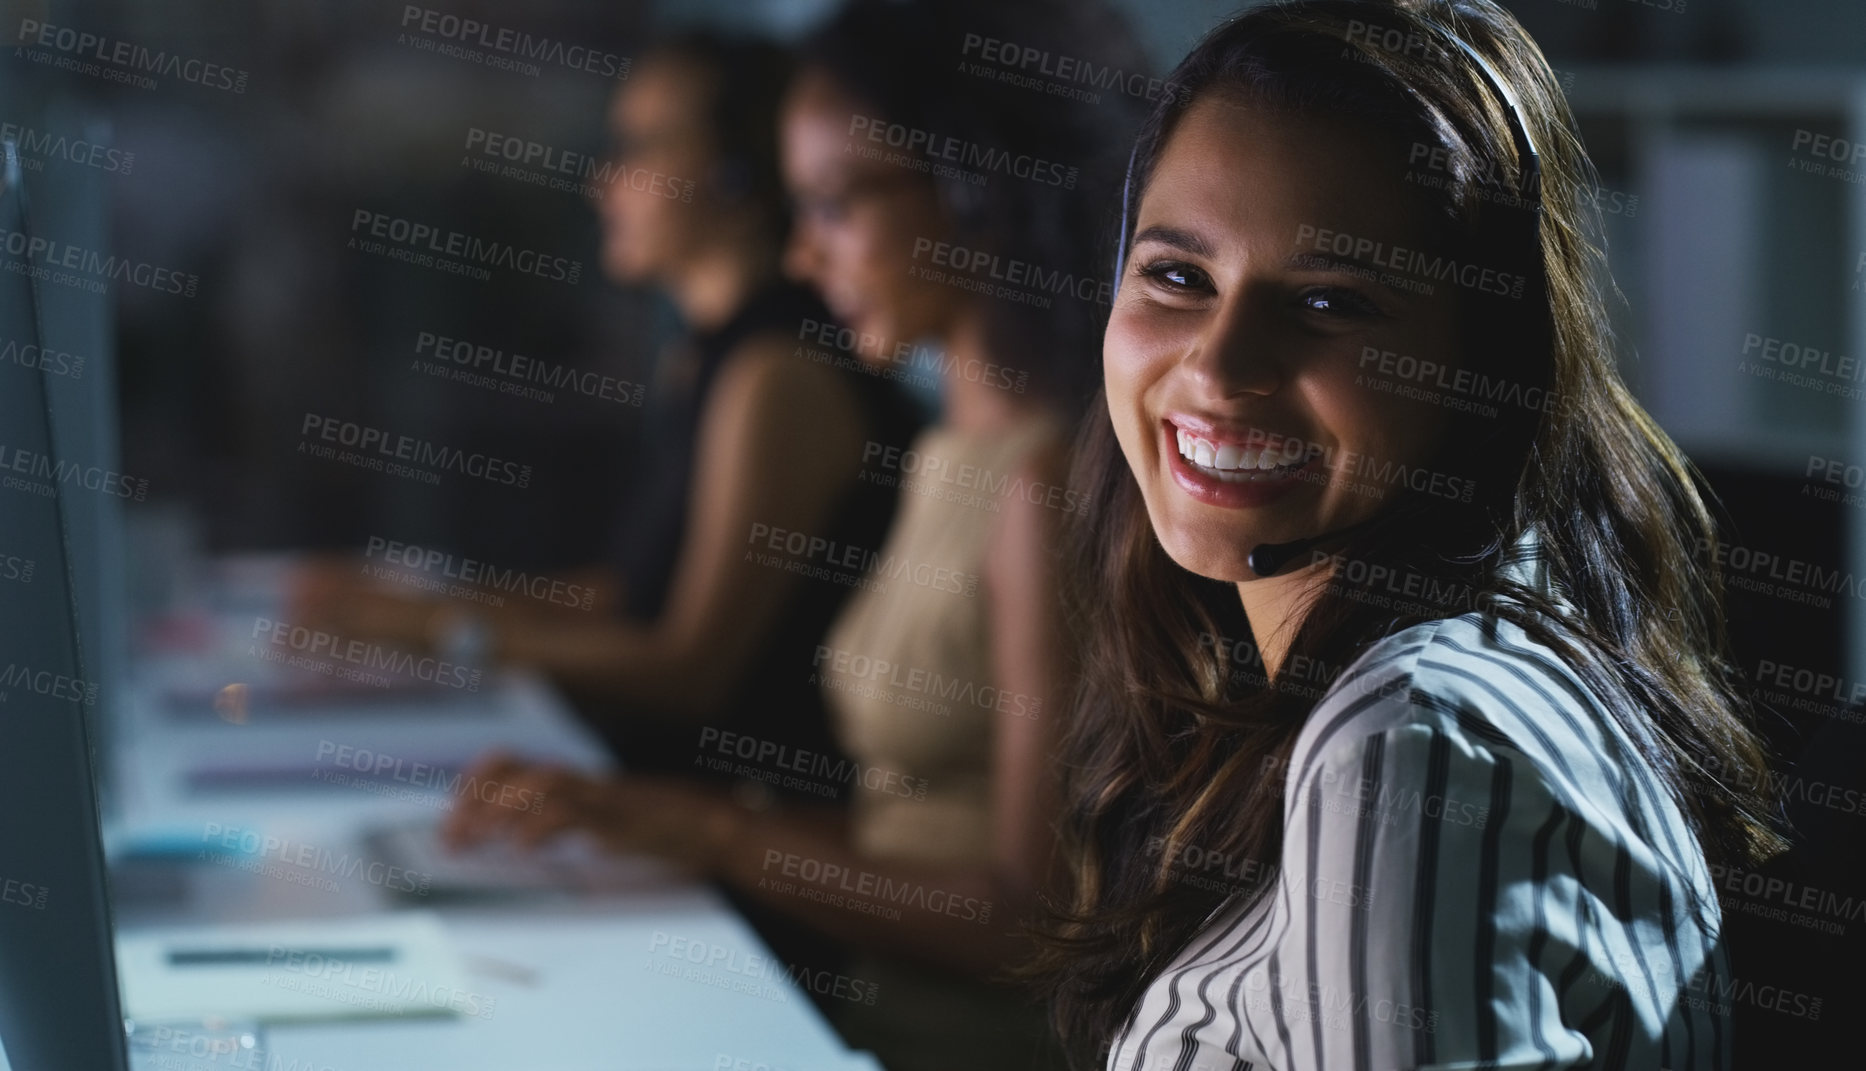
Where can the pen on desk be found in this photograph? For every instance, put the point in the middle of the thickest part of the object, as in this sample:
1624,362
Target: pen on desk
243,957
498,968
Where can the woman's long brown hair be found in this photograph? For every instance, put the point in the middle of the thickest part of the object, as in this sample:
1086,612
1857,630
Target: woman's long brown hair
1173,750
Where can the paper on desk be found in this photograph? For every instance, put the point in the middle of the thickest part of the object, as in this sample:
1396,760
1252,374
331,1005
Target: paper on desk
383,966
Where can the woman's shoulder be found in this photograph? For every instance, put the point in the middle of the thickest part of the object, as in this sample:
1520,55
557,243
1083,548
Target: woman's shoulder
761,380
1475,710
1022,461
1035,431
782,372
1480,682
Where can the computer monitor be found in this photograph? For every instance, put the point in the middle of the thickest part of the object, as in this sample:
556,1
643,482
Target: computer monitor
59,1003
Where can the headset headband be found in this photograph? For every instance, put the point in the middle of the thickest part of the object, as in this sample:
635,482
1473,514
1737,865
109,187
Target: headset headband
1529,185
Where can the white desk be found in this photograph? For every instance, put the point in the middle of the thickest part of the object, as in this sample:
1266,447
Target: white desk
579,983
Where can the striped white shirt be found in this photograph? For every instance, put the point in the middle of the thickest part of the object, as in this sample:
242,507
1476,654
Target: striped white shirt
1468,879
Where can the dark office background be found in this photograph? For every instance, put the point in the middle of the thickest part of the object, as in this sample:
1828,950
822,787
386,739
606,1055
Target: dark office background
1689,106
254,192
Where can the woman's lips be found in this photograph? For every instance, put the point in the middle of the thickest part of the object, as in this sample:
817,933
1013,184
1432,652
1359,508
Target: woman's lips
1228,485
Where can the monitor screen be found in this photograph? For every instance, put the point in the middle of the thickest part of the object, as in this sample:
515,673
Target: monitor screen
59,1005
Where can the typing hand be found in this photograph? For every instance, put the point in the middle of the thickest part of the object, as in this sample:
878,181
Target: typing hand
333,593
529,802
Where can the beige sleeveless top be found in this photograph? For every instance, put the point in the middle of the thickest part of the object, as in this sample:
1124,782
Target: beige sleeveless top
907,674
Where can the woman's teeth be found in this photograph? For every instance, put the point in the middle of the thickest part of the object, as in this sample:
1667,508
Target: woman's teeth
1232,462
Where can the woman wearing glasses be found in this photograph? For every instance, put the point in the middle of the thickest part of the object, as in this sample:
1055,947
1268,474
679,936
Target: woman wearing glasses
951,221
681,631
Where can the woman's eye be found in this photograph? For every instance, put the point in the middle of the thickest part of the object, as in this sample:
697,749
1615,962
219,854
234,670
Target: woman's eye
1337,302
1177,276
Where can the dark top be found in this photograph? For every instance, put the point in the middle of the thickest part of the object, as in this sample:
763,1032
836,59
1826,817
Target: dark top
777,699
651,524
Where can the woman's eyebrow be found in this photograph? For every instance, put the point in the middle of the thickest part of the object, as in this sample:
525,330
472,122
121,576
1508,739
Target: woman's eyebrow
1185,241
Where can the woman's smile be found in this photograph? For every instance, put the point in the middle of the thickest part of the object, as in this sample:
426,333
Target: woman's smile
1235,471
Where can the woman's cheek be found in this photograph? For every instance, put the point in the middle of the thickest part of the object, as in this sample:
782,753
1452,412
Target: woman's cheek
1139,348
1117,363
1388,431
1131,359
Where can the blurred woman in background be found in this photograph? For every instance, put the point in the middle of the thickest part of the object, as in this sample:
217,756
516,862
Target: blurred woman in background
903,251
691,632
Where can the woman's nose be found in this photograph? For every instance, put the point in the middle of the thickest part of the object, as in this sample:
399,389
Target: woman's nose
1238,349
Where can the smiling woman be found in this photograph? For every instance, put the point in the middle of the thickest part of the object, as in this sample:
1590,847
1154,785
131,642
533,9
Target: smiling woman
1455,799
1172,345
